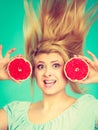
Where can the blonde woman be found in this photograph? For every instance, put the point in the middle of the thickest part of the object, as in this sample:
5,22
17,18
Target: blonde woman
51,38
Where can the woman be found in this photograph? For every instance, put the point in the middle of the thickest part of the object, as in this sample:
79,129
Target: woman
50,41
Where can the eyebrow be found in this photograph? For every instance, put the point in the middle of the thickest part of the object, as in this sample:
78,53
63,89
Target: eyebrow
51,61
54,61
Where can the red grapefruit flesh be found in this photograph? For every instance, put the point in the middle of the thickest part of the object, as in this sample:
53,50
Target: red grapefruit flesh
19,68
76,69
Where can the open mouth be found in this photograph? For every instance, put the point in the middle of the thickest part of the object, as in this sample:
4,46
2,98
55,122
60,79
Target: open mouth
49,83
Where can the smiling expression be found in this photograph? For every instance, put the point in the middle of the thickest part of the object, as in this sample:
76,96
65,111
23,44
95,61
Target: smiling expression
49,73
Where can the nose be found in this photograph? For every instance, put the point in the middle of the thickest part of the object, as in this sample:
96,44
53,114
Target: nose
47,72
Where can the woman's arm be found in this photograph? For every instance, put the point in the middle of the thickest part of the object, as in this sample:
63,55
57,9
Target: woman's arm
3,120
4,76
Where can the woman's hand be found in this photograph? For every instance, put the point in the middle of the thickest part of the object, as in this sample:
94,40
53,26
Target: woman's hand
93,69
3,64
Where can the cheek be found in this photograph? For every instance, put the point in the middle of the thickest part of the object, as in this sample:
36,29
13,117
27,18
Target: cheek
62,76
38,75
61,73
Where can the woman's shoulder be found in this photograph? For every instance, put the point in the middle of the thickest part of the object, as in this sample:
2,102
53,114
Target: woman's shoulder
20,105
15,103
86,97
16,106
86,101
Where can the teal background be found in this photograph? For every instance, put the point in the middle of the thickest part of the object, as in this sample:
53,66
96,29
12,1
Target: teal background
11,35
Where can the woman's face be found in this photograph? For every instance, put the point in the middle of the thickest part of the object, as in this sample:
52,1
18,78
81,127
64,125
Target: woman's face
49,73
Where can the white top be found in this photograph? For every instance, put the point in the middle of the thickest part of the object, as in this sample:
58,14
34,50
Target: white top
82,115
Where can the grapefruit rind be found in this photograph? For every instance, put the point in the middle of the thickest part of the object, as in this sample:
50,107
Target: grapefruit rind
18,60
66,67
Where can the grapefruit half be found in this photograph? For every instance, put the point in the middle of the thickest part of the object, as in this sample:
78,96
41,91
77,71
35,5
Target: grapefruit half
19,69
76,69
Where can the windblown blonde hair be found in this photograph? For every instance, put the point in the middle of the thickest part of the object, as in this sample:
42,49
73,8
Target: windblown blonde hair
60,26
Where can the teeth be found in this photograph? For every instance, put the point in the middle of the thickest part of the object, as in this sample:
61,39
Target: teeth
49,81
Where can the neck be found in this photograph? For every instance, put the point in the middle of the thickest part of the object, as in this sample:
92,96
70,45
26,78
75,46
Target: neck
53,101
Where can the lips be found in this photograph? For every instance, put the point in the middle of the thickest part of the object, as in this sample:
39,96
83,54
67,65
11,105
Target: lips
49,83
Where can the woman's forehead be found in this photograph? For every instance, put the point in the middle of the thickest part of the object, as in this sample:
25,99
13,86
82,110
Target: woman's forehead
48,57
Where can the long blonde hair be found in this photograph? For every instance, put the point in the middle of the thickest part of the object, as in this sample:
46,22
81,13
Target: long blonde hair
60,26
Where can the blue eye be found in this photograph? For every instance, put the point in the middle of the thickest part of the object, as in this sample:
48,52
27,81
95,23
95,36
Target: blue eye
55,66
40,66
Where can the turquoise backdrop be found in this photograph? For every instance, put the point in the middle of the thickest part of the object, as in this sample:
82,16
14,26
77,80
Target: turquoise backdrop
11,35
